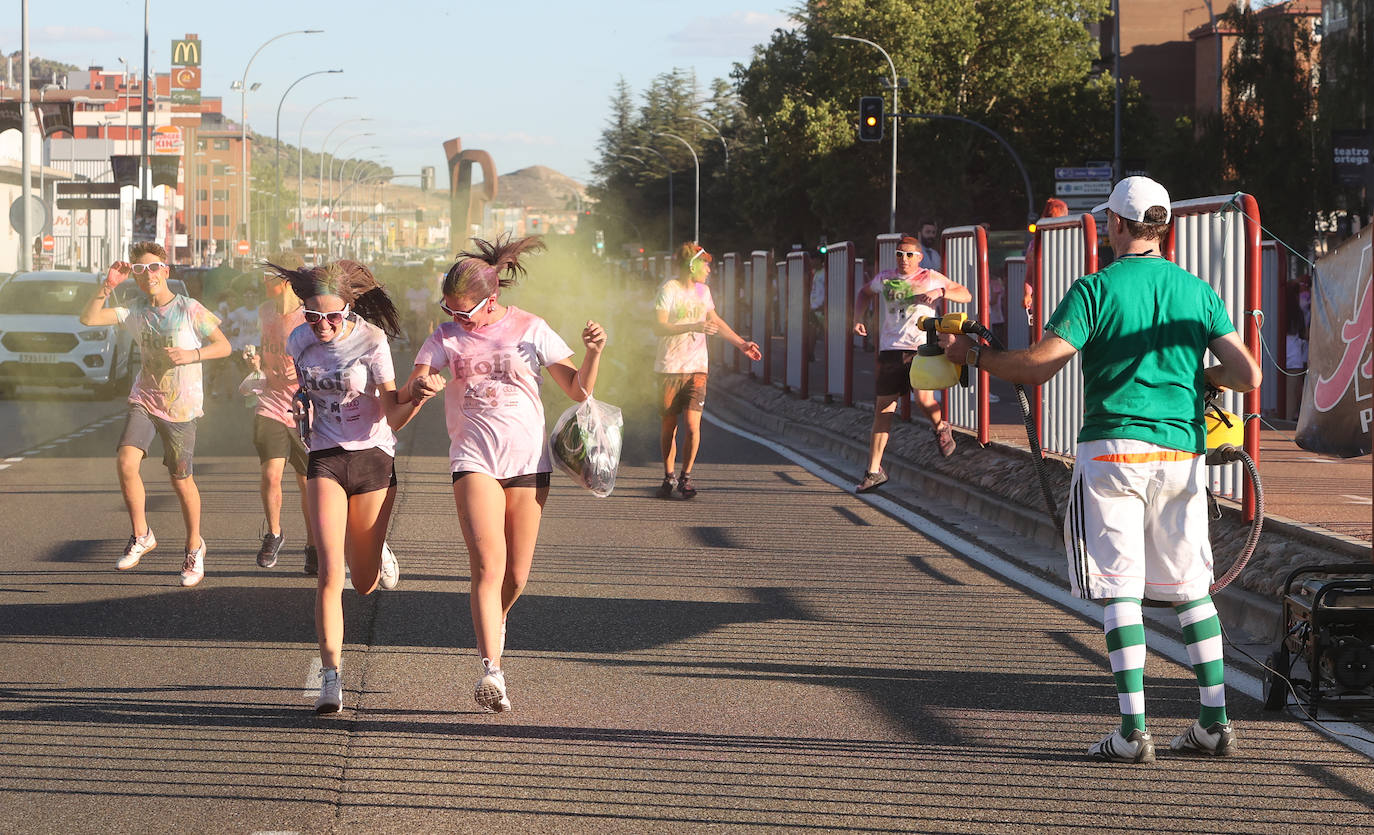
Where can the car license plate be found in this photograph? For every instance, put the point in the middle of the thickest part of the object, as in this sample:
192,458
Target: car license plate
40,358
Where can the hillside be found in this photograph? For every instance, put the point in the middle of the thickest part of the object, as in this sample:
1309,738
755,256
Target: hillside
540,187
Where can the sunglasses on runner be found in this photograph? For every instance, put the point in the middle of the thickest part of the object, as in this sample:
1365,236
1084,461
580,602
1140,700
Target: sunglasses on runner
902,253
459,315
333,317
140,269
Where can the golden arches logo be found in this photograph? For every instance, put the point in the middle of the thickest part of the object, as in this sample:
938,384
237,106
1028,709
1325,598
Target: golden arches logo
186,53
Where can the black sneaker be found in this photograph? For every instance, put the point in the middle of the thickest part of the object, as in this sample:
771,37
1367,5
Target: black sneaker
872,481
312,560
665,490
271,545
1139,747
685,487
1218,740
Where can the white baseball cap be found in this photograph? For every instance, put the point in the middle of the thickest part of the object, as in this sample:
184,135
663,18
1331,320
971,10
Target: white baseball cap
1134,196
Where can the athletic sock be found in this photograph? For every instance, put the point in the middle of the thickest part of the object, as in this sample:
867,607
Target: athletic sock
1124,624
1202,634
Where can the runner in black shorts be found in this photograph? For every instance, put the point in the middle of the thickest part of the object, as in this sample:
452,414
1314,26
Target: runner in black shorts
274,431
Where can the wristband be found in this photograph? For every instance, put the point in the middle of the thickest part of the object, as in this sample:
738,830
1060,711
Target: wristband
197,355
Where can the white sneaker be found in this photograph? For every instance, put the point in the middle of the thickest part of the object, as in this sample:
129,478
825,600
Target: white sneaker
331,692
193,569
490,691
1139,747
134,551
391,570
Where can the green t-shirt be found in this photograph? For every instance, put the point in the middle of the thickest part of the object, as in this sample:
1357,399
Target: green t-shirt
1142,326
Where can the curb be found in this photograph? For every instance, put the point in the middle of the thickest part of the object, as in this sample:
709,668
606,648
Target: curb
1007,527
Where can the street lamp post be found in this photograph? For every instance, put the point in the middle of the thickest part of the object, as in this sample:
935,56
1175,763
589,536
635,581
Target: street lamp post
670,188
319,177
330,230
696,216
892,211
276,204
300,163
342,168
243,130
723,146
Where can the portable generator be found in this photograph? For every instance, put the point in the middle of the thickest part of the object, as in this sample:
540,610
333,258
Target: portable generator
1327,646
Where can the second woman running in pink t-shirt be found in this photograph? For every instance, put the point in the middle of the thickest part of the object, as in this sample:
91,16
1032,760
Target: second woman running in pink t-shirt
497,451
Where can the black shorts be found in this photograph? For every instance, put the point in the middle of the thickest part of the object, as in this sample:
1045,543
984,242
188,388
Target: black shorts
893,375
274,439
526,480
178,439
356,470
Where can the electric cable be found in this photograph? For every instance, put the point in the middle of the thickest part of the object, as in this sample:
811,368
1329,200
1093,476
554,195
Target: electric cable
1292,691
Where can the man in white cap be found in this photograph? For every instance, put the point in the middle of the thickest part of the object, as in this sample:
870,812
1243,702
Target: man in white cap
1136,525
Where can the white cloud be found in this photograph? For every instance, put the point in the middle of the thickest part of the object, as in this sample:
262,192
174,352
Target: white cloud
727,36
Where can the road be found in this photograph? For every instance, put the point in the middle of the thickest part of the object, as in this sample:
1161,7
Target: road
776,653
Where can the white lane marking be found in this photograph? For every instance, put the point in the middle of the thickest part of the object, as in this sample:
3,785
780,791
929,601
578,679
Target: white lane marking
13,460
1357,499
1161,643
1319,460
49,446
4,466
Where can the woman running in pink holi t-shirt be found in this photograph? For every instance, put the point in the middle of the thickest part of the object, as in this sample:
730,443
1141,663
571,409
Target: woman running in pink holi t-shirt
499,458
344,370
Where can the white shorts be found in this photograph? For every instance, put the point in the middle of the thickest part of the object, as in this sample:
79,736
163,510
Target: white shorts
1136,524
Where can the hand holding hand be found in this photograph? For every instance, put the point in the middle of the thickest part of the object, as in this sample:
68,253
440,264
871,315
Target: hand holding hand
594,336
119,271
426,386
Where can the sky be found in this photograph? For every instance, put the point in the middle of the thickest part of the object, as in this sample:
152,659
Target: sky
528,82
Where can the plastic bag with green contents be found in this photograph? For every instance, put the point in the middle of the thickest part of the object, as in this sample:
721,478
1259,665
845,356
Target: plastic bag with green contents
586,444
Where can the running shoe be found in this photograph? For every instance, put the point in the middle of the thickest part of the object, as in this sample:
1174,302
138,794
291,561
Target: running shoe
193,569
331,692
665,490
490,691
271,545
391,570
1139,747
1217,740
312,560
685,486
944,436
134,551
872,481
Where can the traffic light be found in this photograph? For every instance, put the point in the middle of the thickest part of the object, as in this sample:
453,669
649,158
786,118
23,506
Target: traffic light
426,178
824,247
870,118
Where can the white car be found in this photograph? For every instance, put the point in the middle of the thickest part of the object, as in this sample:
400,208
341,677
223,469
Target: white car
42,340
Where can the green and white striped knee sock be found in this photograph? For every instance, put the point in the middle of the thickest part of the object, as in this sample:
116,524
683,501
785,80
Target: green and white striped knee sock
1125,627
1202,634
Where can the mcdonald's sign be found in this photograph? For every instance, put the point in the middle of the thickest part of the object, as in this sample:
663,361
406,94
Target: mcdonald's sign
186,53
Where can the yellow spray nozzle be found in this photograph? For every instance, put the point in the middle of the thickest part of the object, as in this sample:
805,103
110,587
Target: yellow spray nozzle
949,323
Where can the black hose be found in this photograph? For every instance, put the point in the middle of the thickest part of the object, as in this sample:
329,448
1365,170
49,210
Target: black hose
1231,453
1037,454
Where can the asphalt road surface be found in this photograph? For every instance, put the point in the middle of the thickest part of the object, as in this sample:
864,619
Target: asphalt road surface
776,653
